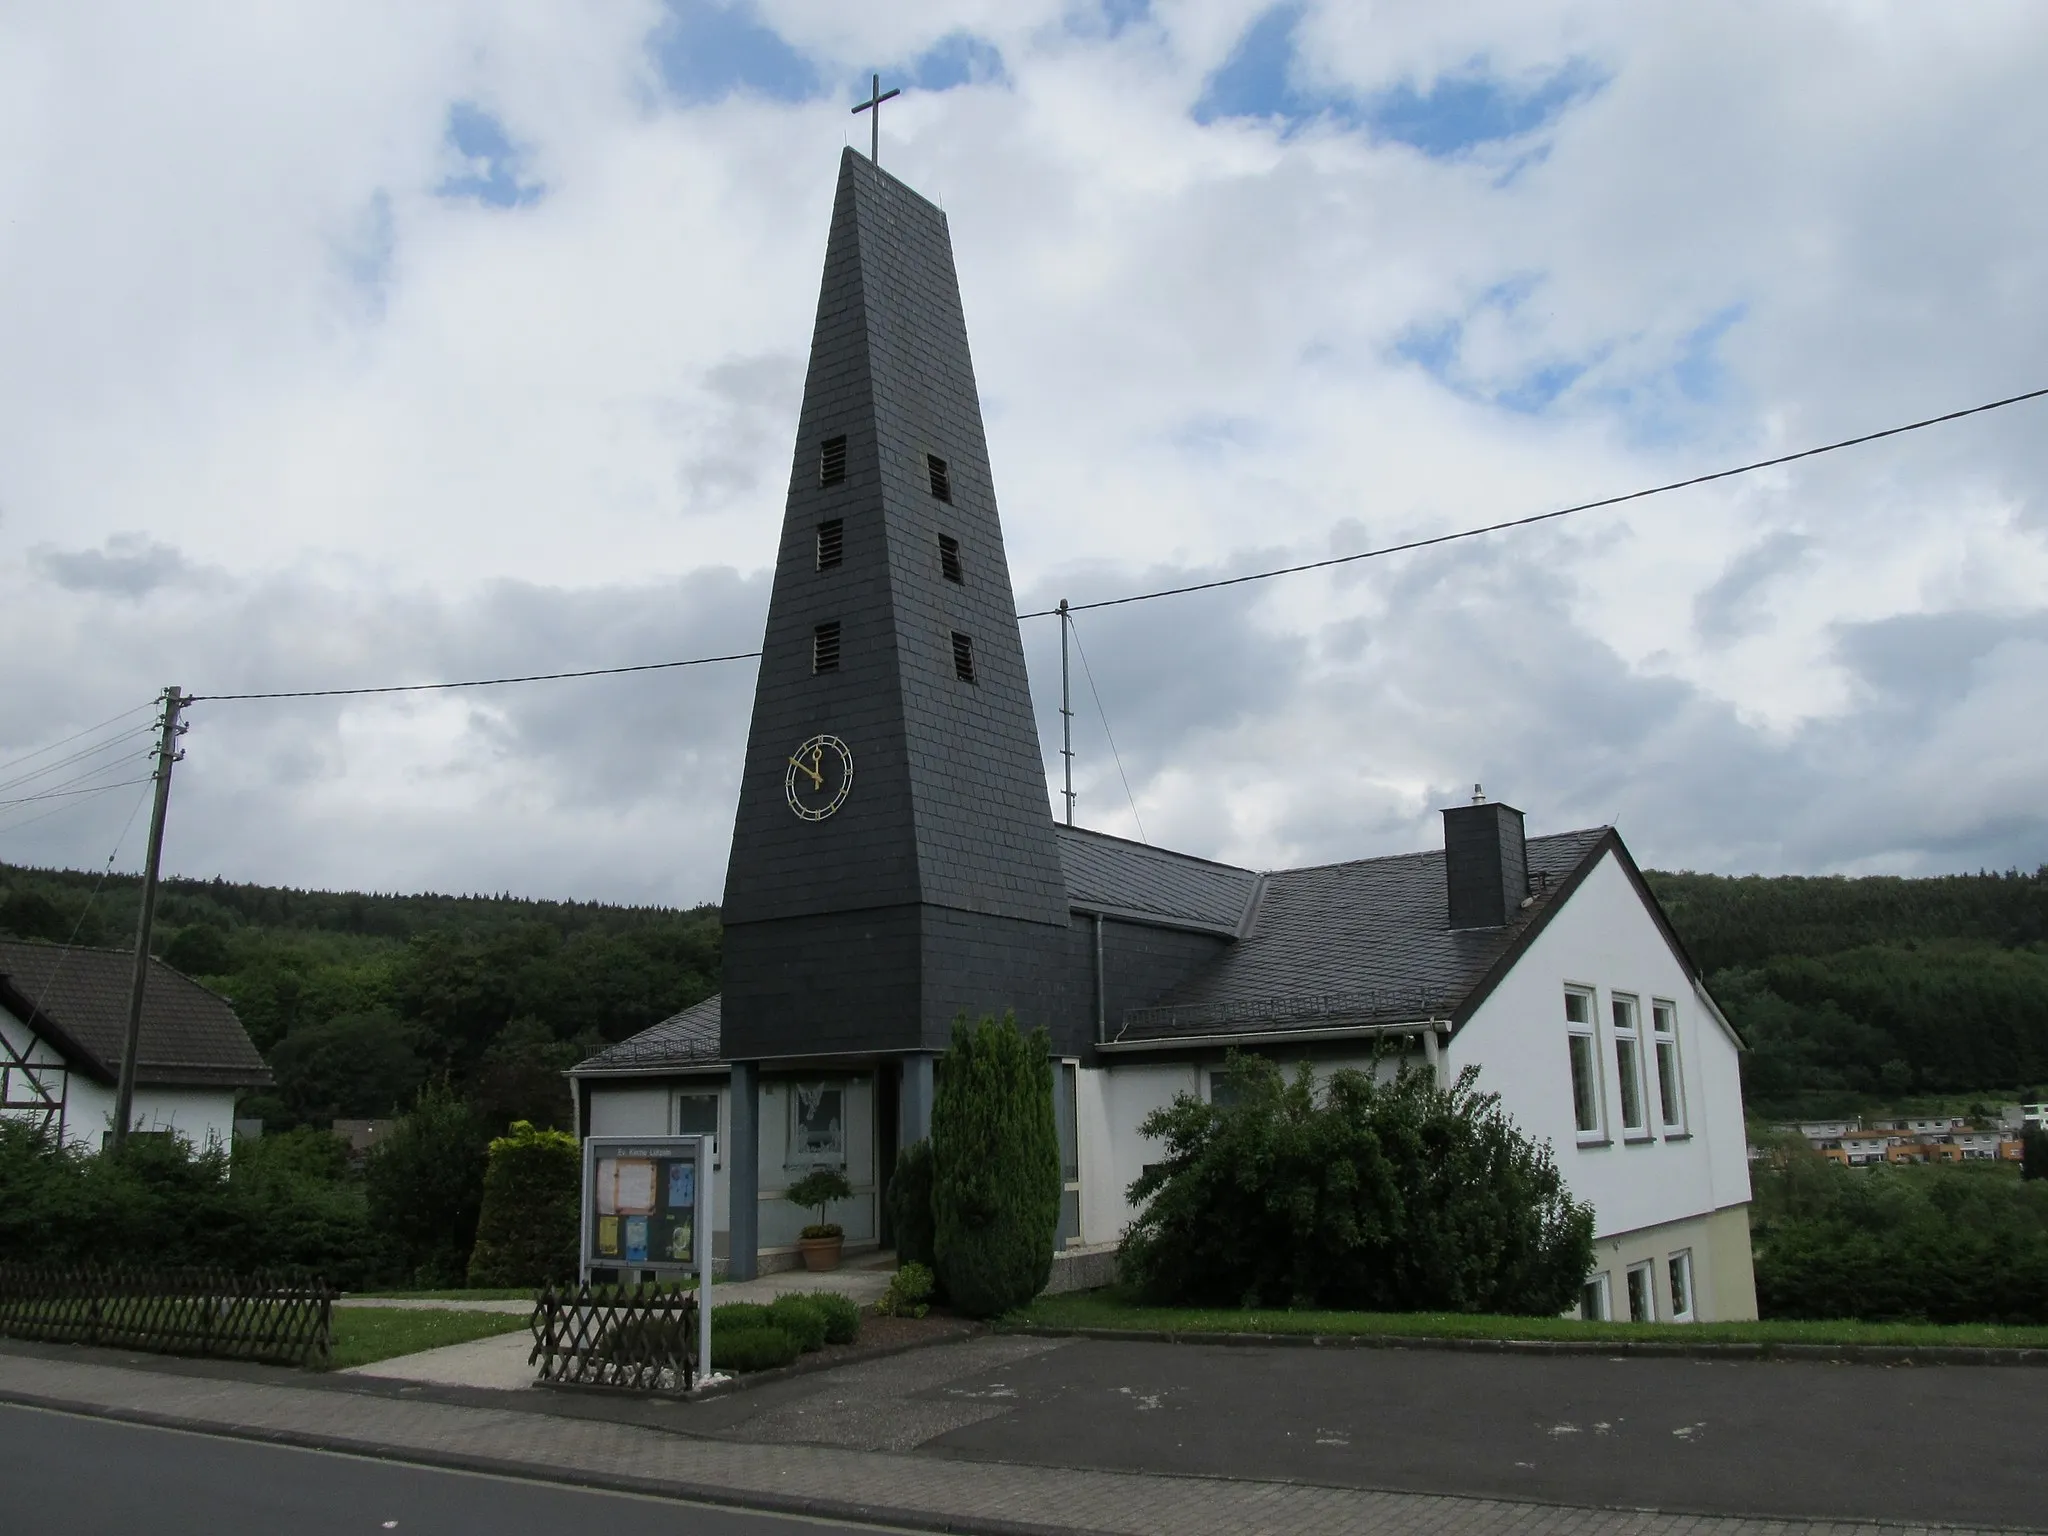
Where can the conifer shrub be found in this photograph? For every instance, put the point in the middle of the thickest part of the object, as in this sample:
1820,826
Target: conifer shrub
909,1294
750,1349
1354,1194
801,1319
995,1167
910,1204
526,1232
842,1316
425,1185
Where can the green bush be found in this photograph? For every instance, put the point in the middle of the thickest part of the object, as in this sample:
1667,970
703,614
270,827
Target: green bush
740,1314
751,1349
526,1232
801,1320
1349,1193
816,1191
995,1167
2034,1155
910,1205
842,1316
425,1183
909,1294
1940,1245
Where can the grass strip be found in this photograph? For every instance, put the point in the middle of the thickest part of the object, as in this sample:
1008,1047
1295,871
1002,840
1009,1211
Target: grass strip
483,1293
366,1334
1115,1309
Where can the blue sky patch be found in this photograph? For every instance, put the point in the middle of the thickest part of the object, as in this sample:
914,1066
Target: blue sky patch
1437,348
960,58
709,49
1457,113
492,172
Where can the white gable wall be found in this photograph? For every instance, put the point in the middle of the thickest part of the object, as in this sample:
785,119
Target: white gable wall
202,1116
1604,938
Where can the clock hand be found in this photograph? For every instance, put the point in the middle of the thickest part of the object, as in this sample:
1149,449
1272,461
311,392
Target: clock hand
811,768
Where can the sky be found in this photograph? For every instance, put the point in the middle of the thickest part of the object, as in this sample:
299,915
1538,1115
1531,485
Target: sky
346,344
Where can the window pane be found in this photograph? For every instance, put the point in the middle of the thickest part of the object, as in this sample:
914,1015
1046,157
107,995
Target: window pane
1578,1008
1585,1084
1625,1013
1593,1301
1669,1100
1681,1283
1625,1059
1664,1017
697,1114
1642,1307
1068,1114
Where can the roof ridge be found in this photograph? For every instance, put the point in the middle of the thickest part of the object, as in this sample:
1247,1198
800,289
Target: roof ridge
1062,829
1432,853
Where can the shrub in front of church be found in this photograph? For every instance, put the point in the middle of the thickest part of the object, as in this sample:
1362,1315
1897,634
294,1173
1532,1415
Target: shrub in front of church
425,1186
909,1294
526,1233
739,1314
842,1316
816,1191
910,1205
995,1167
802,1321
1349,1193
750,1349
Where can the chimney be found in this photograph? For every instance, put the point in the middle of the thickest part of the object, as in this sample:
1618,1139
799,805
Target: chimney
1486,862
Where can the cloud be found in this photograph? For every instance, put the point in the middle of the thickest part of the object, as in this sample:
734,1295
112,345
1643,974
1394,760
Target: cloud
129,565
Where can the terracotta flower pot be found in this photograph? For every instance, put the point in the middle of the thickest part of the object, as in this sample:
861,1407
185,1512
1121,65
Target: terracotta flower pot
820,1253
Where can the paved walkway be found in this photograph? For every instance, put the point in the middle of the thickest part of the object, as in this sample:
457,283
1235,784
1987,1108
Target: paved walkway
501,1362
916,1490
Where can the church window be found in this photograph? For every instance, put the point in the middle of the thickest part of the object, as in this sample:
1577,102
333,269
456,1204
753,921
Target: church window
963,657
825,647
942,480
1595,1305
1679,1270
1670,1083
1628,1065
832,461
1642,1292
949,559
1585,1060
831,542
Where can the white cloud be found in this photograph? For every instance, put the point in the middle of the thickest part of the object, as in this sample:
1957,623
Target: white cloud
273,412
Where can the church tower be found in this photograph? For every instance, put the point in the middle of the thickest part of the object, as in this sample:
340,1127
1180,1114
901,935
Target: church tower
893,862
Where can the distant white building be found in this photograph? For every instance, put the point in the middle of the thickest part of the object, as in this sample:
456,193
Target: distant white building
63,1020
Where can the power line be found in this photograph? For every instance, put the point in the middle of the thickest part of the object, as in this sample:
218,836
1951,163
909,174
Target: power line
1182,591
481,682
75,757
1543,517
67,740
68,794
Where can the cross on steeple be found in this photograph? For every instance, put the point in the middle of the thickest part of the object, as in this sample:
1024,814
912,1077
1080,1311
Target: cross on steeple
874,104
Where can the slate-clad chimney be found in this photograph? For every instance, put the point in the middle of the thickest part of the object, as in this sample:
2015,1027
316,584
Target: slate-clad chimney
1486,863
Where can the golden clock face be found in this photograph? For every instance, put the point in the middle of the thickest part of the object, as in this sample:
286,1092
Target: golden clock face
819,775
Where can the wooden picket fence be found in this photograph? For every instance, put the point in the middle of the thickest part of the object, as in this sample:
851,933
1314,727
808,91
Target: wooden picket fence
642,1339
170,1311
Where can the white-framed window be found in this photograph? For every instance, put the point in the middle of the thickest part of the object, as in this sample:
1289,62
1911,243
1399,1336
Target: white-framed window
1226,1088
1670,1074
1678,1271
1642,1292
1628,1067
1589,1101
1596,1299
697,1115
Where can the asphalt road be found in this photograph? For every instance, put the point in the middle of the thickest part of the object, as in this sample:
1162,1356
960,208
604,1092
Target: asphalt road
75,1476
1958,1444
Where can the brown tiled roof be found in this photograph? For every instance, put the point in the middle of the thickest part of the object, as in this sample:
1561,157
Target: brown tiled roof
78,999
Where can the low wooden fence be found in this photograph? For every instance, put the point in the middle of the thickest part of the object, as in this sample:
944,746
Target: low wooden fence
640,1340
169,1311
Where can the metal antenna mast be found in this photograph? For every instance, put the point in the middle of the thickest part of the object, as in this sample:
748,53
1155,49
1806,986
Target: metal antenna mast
1066,711
167,753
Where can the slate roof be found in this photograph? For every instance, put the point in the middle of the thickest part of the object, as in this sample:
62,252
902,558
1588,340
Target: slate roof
1362,942
190,1036
1110,875
689,1038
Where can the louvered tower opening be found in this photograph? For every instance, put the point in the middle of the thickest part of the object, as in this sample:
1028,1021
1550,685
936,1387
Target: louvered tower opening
963,656
942,480
831,542
832,461
949,559
825,647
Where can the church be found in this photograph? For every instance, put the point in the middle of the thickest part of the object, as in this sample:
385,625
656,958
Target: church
895,864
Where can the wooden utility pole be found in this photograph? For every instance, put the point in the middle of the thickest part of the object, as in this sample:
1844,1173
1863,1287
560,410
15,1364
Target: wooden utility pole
167,753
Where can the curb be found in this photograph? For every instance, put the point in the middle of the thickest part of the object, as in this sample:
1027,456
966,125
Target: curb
802,1366
1844,1354
715,1495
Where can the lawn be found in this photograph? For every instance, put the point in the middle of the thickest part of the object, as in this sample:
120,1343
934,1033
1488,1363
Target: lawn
485,1293
364,1334
1114,1309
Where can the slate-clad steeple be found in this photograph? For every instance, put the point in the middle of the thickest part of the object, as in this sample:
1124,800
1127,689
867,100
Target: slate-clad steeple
934,886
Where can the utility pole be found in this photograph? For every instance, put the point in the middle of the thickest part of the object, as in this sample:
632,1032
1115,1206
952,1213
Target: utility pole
167,753
1066,712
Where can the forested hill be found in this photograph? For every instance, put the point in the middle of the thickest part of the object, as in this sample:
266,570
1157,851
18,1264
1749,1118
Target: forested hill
356,999
1849,992
1855,992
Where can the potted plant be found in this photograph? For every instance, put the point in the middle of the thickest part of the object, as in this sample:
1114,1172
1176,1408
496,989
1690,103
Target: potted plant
821,1240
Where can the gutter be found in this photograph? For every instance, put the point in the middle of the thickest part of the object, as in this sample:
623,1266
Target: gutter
1431,1027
